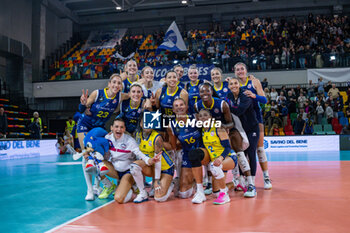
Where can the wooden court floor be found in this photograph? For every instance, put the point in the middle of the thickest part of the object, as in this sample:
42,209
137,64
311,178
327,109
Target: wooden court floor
307,196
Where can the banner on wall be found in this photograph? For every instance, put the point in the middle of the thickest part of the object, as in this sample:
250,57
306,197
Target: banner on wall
204,71
27,149
334,75
301,143
104,38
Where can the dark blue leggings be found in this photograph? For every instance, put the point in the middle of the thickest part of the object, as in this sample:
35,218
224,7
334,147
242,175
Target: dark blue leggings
253,137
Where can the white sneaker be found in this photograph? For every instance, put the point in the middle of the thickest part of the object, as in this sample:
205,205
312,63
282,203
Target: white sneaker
199,198
97,190
209,189
142,197
251,191
222,199
90,195
267,183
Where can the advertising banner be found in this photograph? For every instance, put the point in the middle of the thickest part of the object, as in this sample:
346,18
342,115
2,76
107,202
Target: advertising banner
27,149
301,143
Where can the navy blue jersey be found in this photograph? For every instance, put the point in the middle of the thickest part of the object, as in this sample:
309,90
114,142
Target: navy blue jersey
181,84
216,109
193,94
101,110
244,109
189,137
166,100
130,115
223,90
249,86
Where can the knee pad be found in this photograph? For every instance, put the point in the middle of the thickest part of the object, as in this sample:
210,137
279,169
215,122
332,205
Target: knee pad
186,194
243,162
217,172
128,196
135,169
261,155
196,156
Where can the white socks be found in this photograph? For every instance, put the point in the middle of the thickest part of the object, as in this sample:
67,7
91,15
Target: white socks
106,182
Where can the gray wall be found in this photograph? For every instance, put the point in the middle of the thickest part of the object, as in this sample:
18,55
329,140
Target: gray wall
73,88
16,20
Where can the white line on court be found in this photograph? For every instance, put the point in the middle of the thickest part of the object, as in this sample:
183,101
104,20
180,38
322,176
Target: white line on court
68,163
79,217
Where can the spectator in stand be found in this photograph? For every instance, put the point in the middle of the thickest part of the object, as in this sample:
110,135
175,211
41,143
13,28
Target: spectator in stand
329,113
298,125
273,94
328,86
320,85
267,93
267,108
291,102
302,113
309,126
274,106
319,112
301,100
37,120
3,123
264,83
334,92
273,122
34,129
311,89
346,130
284,114
281,99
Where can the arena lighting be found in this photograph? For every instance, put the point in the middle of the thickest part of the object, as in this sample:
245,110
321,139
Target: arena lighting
332,58
255,61
176,61
184,2
118,8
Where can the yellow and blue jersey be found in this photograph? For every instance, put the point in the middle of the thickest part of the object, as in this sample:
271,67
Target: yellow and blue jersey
127,83
212,143
130,115
166,100
223,90
193,94
181,84
101,110
147,146
216,109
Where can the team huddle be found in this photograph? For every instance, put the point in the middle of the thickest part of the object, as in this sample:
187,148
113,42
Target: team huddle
177,157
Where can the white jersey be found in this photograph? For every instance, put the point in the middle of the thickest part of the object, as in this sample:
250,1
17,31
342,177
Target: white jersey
126,152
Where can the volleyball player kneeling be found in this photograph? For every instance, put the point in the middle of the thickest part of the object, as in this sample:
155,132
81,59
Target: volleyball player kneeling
217,155
151,144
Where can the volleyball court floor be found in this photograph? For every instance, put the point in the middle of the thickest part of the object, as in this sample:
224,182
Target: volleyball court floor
311,193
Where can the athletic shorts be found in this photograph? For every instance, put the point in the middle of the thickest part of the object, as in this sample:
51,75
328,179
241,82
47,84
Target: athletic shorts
121,174
185,160
169,171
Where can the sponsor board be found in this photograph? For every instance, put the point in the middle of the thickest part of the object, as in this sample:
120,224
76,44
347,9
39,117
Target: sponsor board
27,149
301,143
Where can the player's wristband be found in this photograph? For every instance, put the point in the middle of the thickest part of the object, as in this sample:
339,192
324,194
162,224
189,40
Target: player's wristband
82,108
261,99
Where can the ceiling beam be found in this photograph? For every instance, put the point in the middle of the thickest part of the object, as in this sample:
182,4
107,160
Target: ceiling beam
60,8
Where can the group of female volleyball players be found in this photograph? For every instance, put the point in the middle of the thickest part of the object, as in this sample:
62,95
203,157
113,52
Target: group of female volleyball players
175,156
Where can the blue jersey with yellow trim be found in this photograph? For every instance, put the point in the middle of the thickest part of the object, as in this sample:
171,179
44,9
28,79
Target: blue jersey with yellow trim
166,100
130,115
147,146
212,143
223,90
189,137
101,110
193,93
181,84
127,83
216,109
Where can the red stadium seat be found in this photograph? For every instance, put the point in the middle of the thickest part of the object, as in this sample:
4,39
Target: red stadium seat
337,128
288,129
